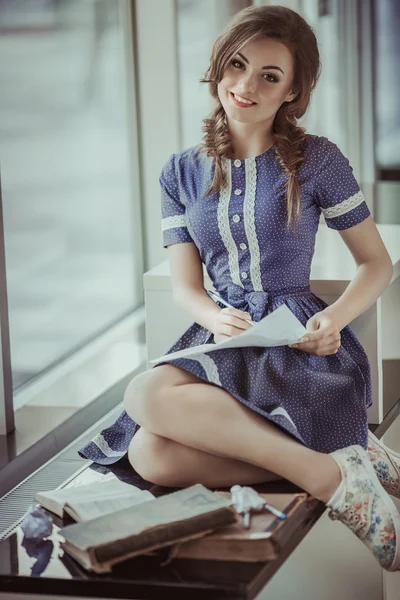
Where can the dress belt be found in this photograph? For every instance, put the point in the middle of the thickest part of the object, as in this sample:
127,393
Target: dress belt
256,303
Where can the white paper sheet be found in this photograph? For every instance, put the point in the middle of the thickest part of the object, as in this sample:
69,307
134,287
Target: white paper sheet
279,328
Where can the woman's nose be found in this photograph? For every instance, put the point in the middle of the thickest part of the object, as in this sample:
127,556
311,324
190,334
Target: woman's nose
247,84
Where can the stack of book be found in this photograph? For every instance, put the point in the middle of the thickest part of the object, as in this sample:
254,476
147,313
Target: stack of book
117,521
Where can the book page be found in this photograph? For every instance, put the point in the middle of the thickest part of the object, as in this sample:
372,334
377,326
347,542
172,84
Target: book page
97,507
86,493
279,328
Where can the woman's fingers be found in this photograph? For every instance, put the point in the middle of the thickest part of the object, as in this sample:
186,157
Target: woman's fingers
235,312
324,346
319,351
234,326
229,322
238,320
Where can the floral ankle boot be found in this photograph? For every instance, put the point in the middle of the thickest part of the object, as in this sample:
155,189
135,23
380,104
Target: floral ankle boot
361,503
386,463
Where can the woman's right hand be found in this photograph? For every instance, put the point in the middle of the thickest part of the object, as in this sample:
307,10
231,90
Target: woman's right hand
229,322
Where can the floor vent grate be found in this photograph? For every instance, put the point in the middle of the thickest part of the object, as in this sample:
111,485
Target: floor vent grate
58,470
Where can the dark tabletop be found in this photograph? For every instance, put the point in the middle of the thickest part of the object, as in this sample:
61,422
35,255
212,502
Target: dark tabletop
40,567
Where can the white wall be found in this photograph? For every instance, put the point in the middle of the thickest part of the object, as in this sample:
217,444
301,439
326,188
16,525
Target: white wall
158,111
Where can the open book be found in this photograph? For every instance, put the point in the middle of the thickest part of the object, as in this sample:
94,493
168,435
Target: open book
87,502
179,516
278,328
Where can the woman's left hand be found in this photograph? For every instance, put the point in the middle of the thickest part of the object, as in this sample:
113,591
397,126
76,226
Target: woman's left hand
323,336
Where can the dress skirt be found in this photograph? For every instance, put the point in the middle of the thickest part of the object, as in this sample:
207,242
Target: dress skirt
321,401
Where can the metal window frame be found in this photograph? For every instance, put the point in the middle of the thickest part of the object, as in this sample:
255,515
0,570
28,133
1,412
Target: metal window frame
7,424
367,96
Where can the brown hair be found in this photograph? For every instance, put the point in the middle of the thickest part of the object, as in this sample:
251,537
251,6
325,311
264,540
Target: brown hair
291,29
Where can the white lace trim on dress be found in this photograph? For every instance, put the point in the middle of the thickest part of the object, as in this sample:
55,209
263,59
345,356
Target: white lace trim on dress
224,229
281,411
209,366
249,223
102,444
344,207
174,221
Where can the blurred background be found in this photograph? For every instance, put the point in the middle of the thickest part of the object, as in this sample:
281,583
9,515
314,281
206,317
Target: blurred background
94,97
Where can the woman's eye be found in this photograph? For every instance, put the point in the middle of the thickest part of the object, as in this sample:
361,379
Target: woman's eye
274,79
237,64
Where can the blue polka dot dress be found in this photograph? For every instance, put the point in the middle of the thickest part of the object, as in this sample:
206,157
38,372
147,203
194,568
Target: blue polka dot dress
257,264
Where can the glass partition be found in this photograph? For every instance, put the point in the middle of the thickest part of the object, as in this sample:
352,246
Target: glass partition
66,176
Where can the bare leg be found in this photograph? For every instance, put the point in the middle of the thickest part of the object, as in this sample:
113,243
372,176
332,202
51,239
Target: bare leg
206,417
165,462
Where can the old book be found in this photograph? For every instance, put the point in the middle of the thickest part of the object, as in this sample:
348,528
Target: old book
93,500
260,543
191,512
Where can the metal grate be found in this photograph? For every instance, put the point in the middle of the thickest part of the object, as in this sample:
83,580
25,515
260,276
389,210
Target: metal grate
57,471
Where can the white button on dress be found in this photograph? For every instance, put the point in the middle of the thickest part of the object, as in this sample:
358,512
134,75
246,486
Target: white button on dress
237,163
238,192
243,246
236,218
244,275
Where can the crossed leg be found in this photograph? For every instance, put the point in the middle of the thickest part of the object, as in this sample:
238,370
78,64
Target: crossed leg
165,462
194,431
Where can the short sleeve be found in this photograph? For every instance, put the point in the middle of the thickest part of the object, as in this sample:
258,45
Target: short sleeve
336,190
173,223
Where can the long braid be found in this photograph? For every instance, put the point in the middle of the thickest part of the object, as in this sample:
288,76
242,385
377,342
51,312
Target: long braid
288,27
289,140
217,143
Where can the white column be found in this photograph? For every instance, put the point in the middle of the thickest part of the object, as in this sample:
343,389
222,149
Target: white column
159,133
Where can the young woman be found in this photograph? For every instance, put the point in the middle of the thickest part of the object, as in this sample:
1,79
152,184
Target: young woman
246,203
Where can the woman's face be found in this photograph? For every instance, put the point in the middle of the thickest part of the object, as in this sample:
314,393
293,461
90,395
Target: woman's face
261,72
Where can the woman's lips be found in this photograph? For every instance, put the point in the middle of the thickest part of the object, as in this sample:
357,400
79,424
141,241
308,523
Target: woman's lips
241,104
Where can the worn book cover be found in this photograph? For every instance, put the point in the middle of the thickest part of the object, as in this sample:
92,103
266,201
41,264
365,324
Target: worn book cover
260,543
182,515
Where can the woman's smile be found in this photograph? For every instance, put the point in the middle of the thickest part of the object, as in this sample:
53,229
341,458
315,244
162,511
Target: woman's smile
242,102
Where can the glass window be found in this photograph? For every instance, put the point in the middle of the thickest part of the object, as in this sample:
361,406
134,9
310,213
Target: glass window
65,165
386,23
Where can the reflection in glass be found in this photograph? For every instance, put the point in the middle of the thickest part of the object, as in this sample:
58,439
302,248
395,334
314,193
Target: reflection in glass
65,166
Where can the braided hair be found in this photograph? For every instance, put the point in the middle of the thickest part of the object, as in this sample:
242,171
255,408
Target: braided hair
288,27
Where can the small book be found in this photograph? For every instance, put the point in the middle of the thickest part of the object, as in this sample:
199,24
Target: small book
188,513
262,542
93,500
279,328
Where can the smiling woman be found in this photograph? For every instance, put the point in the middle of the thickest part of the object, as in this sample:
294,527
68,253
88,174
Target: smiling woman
246,204
249,48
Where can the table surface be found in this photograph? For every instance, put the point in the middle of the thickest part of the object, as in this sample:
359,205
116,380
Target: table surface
41,567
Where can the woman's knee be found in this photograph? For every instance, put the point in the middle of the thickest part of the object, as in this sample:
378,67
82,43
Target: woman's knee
146,393
141,391
148,455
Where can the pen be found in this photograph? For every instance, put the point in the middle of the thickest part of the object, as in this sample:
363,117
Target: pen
217,297
274,511
247,519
